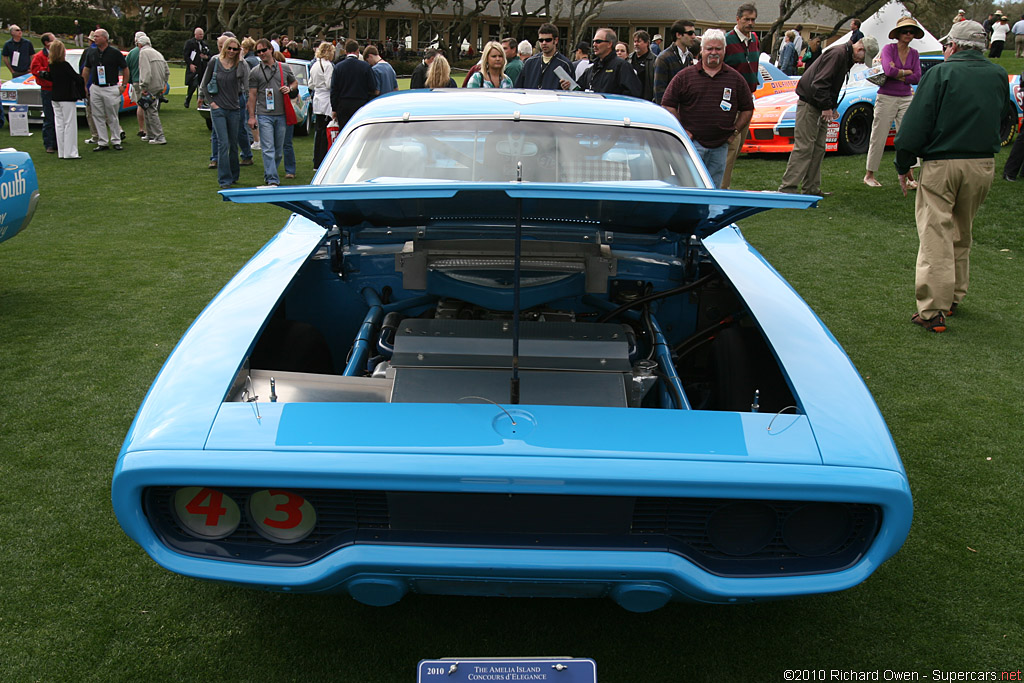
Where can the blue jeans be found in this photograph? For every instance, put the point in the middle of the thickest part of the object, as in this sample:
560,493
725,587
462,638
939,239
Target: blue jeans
244,134
272,137
714,158
49,129
289,151
226,123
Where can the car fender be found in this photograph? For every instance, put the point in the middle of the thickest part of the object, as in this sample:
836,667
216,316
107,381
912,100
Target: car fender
847,424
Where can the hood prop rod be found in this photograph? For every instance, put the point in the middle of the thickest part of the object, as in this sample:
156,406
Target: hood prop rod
516,273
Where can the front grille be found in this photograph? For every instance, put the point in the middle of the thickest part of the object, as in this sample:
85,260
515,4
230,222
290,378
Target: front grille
30,97
727,537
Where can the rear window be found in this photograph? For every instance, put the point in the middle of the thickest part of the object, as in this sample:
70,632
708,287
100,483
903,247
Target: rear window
492,151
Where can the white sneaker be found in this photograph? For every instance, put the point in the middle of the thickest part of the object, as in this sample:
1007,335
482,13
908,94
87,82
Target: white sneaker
158,142
255,145
90,141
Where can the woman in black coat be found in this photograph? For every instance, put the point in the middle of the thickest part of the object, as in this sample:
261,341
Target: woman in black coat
68,88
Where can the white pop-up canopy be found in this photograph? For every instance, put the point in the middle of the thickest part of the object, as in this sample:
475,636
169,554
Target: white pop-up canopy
884,20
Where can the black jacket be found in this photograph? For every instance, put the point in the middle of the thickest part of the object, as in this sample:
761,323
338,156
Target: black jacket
67,83
536,76
419,77
200,49
644,68
612,75
823,80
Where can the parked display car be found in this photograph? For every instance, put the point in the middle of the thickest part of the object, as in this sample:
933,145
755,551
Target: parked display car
772,79
771,128
25,90
300,67
511,343
19,192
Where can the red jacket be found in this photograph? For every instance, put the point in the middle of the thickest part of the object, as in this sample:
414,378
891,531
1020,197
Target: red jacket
40,62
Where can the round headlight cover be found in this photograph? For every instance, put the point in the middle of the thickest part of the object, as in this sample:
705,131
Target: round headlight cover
818,529
205,512
742,528
281,516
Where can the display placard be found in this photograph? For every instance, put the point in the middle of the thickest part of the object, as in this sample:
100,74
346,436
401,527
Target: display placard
17,120
507,669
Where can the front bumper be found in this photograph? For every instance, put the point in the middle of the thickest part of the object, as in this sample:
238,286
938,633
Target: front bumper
381,573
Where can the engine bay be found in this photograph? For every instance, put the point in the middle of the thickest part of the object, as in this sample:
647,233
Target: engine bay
433,321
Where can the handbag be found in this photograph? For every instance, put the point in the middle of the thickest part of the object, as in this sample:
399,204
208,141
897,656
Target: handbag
290,117
212,87
299,107
80,91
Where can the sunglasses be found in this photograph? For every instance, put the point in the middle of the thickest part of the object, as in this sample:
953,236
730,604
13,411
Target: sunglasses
262,50
598,40
907,30
545,40
690,33
234,49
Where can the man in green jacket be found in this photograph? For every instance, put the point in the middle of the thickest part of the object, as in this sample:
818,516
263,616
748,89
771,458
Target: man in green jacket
952,125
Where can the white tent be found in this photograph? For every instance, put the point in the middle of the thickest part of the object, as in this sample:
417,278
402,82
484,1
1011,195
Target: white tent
884,20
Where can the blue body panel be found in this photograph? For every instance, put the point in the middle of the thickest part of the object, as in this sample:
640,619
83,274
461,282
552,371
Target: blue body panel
832,447
19,192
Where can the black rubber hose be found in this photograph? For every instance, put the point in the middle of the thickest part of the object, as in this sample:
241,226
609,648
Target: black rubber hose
654,296
708,331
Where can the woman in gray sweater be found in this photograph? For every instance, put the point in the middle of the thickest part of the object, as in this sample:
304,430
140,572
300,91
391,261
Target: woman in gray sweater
232,75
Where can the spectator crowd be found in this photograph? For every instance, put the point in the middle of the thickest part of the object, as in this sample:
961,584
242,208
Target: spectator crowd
948,129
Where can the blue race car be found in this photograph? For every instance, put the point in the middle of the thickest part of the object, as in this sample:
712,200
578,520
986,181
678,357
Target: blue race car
19,192
774,119
511,343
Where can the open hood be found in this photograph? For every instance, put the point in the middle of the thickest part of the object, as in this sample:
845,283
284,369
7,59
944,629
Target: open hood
632,207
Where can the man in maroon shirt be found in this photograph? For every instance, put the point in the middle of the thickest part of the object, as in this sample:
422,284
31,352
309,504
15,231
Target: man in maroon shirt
712,102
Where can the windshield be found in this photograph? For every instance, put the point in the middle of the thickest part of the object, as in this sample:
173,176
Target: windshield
489,151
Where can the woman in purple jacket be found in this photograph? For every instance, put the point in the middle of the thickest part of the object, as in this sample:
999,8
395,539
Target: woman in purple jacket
902,66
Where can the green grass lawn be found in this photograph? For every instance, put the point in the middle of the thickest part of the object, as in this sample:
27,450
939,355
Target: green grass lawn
126,249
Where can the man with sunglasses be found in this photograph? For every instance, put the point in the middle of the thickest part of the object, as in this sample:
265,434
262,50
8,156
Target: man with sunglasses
675,57
270,87
539,71
18,53
609,73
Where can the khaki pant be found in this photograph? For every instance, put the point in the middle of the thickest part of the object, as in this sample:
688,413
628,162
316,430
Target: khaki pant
734,152
887,109
154,128
949,193
106,102
1018,46
804,167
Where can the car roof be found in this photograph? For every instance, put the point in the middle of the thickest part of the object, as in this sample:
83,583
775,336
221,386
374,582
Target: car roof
477,102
